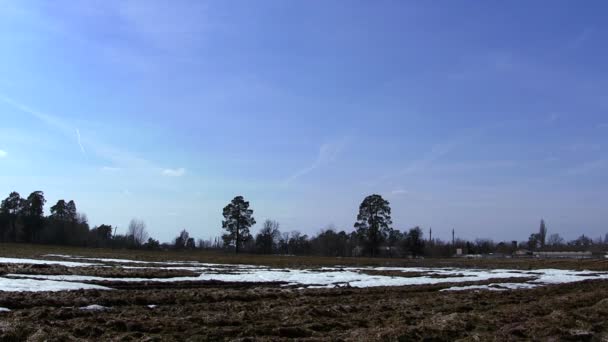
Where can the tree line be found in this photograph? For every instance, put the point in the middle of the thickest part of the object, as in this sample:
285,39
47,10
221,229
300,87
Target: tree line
374,235
23,220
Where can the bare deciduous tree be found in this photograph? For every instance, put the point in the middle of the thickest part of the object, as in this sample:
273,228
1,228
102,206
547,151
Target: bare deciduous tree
137,230
555,240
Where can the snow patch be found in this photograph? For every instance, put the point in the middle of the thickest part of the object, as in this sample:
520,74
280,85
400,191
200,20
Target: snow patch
36,285
94,307
492,287
43,262
325,277
354,277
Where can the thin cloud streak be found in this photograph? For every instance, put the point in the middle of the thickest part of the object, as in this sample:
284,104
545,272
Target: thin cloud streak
419,165
174,172
328,152
3,154
117,156
80,142
48,119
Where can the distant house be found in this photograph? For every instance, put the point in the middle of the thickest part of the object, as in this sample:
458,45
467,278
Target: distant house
523,253
473,256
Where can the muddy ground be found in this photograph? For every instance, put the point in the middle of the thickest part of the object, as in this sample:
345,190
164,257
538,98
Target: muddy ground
216,311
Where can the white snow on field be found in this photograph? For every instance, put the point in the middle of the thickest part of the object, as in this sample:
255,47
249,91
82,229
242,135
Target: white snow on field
94,307
493,287
44,262
37,285
326,277
355,277
176,264
5,310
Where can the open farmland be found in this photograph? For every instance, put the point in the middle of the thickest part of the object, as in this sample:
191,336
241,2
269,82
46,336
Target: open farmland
76,294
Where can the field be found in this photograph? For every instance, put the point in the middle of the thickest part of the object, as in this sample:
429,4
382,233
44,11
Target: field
138,295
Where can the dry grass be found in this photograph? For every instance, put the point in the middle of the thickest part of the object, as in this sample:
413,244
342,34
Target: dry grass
29,251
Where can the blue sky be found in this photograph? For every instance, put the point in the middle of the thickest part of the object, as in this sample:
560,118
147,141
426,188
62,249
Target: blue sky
483,116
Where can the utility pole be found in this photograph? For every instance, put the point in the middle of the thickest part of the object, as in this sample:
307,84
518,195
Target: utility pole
453,240
430,234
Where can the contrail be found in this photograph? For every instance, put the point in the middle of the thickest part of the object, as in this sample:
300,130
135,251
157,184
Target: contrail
80,143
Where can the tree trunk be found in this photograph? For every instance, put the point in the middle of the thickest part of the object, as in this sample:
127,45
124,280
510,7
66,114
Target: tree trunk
237,238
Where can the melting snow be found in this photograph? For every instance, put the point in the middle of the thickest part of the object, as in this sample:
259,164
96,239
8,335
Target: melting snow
326,277
43,262
5,310
356,277
493,287
94,307
36,285
126,261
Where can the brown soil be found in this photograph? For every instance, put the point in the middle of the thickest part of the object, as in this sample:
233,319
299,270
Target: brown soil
114,272
237,311
211,310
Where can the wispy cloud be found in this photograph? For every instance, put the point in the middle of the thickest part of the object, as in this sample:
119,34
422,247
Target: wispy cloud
150,27
80,142
3,154
174,172
583,147
48,119
587,167
581,38
328,152
418,165
118,156
399,192
110,169
436,152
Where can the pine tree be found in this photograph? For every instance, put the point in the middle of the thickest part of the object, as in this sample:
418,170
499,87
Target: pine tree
34,214
373,222
238,218
12,210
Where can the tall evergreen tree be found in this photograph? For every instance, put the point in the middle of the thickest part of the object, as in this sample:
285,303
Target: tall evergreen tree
59,211
34,215
66,226
71,212
12,210
373,222
238,218
182,239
